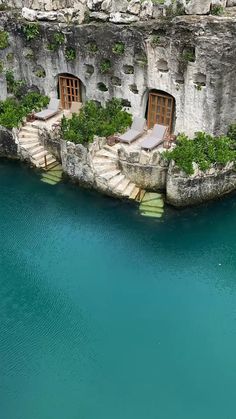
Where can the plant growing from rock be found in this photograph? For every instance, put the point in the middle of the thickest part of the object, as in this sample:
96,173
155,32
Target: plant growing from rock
4,39
92,47
217,10
1,66
16,87
204,150
70,54
10,57
31,31
155,41
105,66
118,48
57,41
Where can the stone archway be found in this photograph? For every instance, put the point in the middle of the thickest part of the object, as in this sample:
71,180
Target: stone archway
160,109
69,89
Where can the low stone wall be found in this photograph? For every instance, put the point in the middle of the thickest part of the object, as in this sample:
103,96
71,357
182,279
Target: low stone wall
183,190
8,144
76,163
146,170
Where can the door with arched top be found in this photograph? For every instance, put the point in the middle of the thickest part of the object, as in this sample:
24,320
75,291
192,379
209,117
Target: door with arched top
69,90
160,109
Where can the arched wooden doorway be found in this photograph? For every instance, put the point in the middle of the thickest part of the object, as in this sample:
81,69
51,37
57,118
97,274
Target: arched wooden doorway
160,109
69,90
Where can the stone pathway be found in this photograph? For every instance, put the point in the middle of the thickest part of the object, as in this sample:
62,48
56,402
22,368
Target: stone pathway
109,176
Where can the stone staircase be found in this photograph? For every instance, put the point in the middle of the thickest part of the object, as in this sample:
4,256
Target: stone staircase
31,147
109,176
53,175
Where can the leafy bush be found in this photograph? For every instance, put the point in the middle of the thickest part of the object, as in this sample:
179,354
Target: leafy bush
204,150
58,40
31,31
119,48
12,110
70,54
93,120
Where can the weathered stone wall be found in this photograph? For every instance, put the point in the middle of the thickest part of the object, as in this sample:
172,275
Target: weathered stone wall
146,170
183,190
192,59
8,145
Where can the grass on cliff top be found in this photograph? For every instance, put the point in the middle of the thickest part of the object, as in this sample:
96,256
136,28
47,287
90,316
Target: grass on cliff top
204,150
94,120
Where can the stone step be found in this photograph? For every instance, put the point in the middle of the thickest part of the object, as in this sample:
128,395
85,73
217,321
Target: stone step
134,192
33,147
146,208
151,195
110,150
49,181
101,161
122,186
28,142
50,160
131,186
37,152
26,135
105,153
52,176
110,174
114,183
55,166
29,128
155,203
151,214
105,168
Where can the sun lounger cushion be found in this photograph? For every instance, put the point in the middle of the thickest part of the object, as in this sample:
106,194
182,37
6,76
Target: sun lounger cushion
156,137
52,109
130,136
135,131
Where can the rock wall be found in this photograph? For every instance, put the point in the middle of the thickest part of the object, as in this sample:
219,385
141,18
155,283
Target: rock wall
146,170
8,144
183,190
192,59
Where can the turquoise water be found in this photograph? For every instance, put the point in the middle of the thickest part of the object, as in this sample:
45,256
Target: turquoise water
107,315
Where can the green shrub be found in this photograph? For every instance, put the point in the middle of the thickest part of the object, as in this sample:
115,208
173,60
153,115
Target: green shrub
4,39
70,54
12,110
31,31
204,150
217,10
95,120
16,87
57,41
92,47
119,48
105,66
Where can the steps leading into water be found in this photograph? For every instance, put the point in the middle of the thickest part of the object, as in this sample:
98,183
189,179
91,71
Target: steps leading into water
152,205
53,175
109,175
32,148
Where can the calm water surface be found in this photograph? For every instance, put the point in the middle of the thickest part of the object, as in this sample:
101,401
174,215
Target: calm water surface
107,315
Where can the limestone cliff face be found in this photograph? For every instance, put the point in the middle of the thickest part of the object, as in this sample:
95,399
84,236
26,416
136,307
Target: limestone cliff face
8,146
183,190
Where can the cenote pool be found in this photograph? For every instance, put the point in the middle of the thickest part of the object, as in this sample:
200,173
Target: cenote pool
107,315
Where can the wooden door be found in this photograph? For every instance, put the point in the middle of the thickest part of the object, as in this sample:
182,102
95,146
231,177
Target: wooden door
69,91
160,110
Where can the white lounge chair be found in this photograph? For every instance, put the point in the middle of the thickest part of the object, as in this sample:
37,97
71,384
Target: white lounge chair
156,137
136,130
51,110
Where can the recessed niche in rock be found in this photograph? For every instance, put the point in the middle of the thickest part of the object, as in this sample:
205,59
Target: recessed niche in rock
92,47
162,66
133,88
116,81
102,87
200,79
188,54
126,103
179,78
89,69
39,71
128,69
